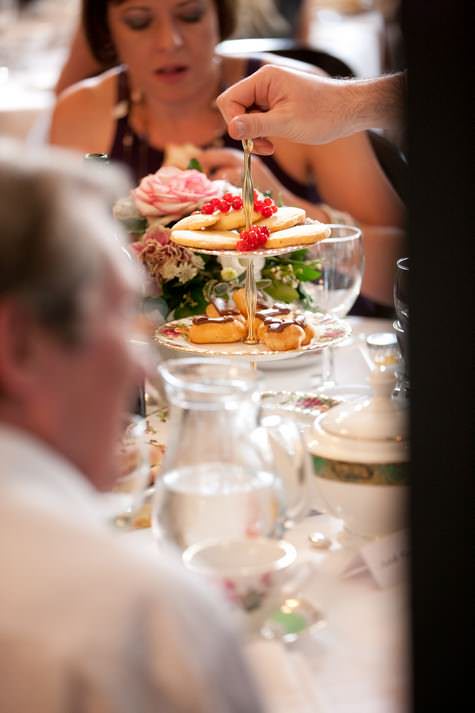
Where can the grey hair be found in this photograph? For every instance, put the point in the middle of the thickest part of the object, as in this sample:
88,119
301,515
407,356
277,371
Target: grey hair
53,208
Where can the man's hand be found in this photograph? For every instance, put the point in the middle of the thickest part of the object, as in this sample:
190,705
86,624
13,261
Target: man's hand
307,108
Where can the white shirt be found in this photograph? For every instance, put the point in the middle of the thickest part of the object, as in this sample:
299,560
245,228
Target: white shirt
86,624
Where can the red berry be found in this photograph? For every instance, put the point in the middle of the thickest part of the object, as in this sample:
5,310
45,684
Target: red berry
228,197
268,200
253,239
274,208
258,206
224,207
207,209
266,212
237,203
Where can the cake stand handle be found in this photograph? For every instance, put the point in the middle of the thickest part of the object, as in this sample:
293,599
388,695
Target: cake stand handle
250,292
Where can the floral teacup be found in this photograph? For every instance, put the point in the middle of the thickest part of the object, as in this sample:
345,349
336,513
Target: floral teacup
249,572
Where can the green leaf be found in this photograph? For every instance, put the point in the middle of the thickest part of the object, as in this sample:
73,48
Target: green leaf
135,225
305,274
194,163
297,255
283,293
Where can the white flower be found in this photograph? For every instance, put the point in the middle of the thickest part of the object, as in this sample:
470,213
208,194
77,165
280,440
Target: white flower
239,266
186,272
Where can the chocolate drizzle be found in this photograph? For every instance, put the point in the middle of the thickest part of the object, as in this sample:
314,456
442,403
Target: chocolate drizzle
203,319
264,314
274,325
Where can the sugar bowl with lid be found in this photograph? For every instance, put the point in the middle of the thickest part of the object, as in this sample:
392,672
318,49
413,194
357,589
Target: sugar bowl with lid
360,452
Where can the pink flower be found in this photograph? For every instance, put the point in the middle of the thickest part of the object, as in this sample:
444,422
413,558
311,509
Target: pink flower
172,193
158,233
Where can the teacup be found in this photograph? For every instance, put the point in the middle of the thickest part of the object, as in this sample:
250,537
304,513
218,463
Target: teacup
249,572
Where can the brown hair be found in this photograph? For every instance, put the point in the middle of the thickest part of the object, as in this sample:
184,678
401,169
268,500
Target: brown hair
49,254
94,18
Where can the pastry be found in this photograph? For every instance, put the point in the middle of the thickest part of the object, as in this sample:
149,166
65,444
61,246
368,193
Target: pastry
239,297
219,307
216,330
276,312
282,336
307,328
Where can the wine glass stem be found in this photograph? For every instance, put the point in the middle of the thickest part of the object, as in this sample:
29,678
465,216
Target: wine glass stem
328,367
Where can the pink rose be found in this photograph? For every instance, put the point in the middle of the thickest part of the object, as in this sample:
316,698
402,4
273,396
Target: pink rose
174,193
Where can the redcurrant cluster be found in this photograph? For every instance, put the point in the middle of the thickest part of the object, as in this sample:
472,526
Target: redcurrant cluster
223,205
265,206
252,239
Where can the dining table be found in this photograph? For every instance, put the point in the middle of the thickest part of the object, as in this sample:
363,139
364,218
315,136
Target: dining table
355,657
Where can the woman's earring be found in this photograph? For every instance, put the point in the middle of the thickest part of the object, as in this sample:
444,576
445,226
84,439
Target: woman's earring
136,96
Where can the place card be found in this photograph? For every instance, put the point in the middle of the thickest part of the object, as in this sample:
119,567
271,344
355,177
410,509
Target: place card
386,558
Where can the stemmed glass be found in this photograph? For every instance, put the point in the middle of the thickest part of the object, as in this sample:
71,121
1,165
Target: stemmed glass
132,474
401,324
341,259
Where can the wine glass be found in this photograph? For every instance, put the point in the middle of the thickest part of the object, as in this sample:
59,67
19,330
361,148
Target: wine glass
341,260
280,443
401,324
401,292
132,474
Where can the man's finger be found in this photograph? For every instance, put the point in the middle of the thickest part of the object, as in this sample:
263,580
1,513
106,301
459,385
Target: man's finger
251,126
263,147
237,99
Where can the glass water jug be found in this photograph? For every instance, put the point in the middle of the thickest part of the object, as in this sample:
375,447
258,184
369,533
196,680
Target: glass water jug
214,481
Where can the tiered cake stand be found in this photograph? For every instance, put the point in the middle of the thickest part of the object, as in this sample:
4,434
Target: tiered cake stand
329,330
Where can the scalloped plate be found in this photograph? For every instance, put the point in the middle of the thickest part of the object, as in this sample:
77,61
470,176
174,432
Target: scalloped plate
329,331
265,252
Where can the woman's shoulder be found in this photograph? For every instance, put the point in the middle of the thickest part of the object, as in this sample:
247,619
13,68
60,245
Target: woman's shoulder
92,90
82,113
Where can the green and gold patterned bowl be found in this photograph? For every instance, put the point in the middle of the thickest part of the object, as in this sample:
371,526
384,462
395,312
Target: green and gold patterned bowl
360,454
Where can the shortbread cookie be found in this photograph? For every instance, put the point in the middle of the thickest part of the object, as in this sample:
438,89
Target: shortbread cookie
285,217
298,235
196,221
205,239
235,219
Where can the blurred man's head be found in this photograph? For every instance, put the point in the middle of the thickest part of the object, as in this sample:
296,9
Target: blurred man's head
68,294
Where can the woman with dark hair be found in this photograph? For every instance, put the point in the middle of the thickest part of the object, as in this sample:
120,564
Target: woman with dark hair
163,93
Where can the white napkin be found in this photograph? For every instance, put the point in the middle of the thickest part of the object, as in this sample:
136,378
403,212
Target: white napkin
286,681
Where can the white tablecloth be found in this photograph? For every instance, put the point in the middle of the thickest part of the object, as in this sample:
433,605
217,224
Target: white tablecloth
358,662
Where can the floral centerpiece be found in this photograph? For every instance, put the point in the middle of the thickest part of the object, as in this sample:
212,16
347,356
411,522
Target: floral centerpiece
181,282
